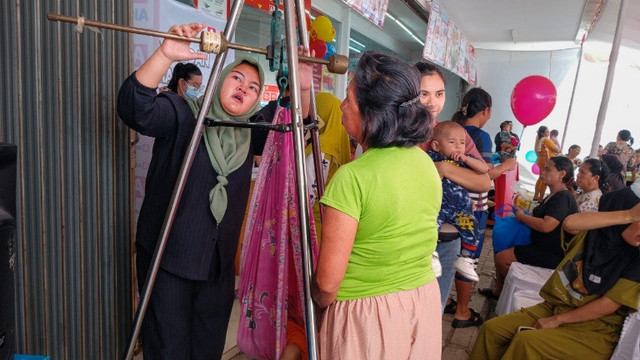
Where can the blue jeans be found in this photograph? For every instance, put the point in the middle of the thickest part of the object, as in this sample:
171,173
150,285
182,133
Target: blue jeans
448,253
481,217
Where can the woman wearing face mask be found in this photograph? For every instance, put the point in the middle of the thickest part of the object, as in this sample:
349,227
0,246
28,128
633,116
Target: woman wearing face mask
186,80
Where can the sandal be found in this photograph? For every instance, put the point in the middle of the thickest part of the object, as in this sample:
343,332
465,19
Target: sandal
451,307
488,292
474,320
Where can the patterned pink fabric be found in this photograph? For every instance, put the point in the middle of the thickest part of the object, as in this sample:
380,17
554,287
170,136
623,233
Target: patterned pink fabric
271,285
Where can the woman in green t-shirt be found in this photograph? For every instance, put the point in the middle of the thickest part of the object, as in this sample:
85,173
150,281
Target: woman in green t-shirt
373,277
588,296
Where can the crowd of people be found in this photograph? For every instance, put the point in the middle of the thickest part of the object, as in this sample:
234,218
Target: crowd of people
401,222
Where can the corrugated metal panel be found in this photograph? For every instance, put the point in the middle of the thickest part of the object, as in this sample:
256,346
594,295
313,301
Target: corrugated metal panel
73,279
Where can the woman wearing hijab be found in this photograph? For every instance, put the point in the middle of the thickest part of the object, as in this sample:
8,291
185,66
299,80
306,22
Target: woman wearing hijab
586,298
191,301
334,140
334,146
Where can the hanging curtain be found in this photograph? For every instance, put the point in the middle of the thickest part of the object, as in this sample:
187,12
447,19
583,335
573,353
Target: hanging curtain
271,285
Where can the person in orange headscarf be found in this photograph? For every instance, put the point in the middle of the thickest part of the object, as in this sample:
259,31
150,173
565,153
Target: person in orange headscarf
334,146
545,149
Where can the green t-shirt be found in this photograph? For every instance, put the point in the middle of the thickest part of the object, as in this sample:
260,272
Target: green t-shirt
395,194
559,289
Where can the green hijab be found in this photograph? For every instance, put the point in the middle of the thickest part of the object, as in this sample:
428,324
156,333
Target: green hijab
227,146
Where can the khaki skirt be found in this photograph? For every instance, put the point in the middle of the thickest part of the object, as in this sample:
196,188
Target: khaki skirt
401,325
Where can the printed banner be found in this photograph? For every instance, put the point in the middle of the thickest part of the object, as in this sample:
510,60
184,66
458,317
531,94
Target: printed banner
374,10
445,45
218,8
323,79
269,5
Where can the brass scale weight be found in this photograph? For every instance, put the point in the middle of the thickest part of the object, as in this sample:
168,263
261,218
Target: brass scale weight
212,42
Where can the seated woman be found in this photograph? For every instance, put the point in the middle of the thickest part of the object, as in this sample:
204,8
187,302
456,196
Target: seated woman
545,223
588,296
375,261
592,179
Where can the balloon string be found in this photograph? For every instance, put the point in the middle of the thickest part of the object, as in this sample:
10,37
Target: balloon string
521,135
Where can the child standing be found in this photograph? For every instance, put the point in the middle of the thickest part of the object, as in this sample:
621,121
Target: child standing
448,145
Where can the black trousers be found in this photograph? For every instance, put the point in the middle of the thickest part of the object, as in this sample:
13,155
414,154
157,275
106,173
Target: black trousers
185,319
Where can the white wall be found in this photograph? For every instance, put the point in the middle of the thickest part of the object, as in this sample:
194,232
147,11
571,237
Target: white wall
499,72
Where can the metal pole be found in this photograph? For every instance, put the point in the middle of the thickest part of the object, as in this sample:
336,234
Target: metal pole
338,64
573,93
212,86
303,196
606,94
315,139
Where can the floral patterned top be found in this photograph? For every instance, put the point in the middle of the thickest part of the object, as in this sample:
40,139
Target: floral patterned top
624,152
588,202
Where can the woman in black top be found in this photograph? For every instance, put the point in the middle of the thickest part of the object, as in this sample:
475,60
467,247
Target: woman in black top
192,298
545,222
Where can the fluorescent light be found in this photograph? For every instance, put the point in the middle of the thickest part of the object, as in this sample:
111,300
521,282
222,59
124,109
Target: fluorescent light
354,49
356,42
418,39
390,16
403,26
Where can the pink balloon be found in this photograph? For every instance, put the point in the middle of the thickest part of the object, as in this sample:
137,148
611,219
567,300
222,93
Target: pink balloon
532,99
535,169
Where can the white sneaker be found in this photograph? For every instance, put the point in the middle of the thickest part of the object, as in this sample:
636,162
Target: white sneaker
435,264
466,267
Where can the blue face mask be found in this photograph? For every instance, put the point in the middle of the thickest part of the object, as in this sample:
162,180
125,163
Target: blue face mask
192,92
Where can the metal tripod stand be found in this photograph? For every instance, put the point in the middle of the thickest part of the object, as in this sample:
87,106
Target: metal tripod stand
336,63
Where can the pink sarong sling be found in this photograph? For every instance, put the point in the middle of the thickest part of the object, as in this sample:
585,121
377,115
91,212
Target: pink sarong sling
271,284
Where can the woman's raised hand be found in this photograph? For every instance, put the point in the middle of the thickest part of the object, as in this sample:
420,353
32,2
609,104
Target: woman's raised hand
178,50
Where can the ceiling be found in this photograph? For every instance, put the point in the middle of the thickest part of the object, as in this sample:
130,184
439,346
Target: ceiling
542,24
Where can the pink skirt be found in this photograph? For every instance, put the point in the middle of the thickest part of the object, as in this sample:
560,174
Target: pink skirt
401,325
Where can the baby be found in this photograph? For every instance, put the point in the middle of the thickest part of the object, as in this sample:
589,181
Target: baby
448,145
553,135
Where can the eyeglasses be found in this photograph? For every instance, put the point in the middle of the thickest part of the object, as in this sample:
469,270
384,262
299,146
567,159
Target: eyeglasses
195,85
